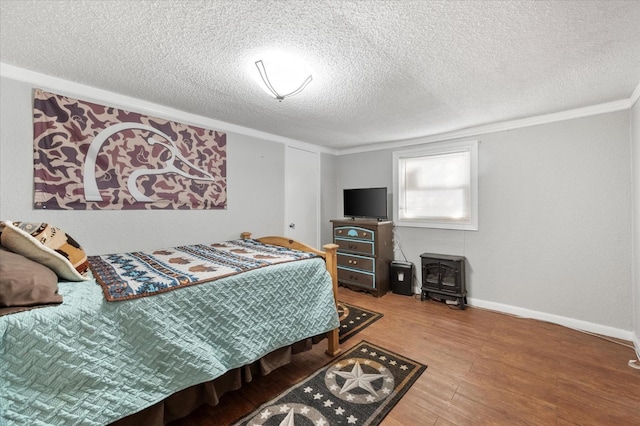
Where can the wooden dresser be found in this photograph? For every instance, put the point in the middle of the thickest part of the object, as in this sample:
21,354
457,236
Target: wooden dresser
364,254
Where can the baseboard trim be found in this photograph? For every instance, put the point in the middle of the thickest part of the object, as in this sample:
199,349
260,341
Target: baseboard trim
573,323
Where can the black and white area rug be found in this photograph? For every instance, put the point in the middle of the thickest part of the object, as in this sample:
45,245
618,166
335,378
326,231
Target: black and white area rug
358,388
354,319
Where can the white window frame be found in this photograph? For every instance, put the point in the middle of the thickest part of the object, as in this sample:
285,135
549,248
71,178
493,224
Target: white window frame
439,148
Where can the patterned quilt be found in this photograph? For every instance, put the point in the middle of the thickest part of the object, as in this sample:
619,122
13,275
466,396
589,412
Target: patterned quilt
126,276
91,362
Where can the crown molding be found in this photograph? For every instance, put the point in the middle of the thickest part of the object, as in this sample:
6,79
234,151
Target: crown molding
93,94
634,96
89,93
621,105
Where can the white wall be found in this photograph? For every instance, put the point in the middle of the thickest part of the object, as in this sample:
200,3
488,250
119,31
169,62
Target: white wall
255,185
635,140
554,239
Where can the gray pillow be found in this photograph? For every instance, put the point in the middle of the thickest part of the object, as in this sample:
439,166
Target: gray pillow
25,284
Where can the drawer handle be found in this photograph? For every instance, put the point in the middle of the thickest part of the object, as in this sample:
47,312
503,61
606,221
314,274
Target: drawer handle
354,262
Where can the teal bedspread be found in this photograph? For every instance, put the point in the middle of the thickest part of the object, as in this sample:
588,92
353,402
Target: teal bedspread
91,362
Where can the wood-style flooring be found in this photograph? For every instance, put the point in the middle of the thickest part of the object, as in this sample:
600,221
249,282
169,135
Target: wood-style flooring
483,368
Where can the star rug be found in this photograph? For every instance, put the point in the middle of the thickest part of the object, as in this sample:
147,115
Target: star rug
358,388
354,319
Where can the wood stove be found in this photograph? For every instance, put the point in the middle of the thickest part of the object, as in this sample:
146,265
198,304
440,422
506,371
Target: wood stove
443,278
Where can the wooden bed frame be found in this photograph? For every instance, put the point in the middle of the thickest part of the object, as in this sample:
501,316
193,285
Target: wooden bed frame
330,258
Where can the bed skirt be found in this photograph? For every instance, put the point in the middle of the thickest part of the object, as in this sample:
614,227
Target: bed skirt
184,402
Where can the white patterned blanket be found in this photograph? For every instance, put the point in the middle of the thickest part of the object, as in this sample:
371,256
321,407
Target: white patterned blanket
126,276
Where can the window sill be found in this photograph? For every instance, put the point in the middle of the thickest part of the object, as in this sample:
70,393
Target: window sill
437,225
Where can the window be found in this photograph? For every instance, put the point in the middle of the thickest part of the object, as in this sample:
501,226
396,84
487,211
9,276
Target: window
437,186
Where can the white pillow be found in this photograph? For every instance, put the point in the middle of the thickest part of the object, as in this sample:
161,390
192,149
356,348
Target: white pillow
47,245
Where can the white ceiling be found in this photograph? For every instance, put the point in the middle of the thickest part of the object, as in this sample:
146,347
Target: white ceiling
382,70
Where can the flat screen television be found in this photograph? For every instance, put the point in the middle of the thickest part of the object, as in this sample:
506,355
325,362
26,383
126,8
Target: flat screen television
370,203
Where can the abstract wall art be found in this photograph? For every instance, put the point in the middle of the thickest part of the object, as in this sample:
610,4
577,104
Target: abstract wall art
89,157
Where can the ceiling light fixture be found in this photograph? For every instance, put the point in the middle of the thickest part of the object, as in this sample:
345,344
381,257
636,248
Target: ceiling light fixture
284,79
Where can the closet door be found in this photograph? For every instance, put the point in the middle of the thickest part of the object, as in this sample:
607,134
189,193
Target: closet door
302,195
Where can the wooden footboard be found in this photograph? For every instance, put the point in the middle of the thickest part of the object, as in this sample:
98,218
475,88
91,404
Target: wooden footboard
329,255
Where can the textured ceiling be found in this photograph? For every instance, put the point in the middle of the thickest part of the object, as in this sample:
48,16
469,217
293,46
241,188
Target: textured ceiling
382,70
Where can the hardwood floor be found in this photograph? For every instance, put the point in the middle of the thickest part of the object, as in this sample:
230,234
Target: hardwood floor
483,368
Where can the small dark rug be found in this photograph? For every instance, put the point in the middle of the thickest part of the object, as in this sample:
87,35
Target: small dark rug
354,319
359,387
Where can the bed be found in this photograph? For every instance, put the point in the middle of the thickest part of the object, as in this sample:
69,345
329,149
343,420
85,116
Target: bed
149,360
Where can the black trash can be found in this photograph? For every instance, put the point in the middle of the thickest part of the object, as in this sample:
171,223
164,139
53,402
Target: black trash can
401,278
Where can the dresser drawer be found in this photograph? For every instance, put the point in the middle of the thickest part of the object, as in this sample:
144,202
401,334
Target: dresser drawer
355,246
356,262
358,278
355,232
